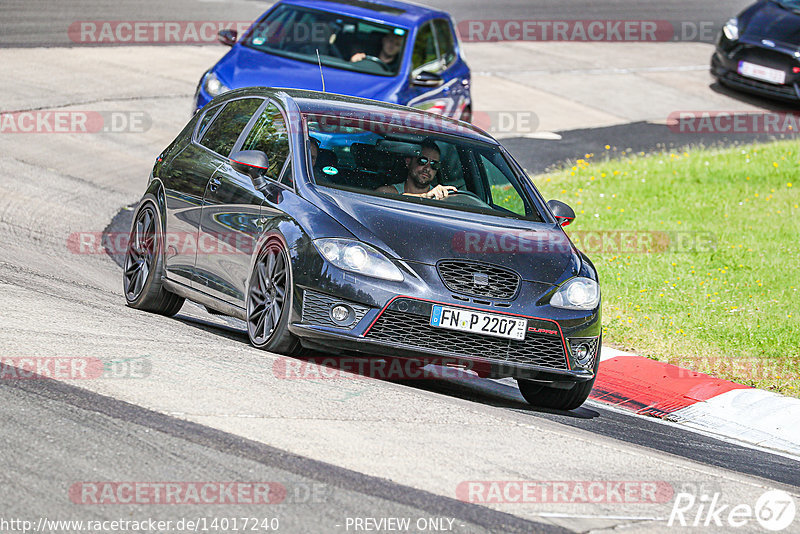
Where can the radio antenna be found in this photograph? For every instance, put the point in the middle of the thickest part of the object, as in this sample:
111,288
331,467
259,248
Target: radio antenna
319,62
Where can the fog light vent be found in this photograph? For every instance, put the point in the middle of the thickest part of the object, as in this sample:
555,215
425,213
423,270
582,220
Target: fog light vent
584,351
324,310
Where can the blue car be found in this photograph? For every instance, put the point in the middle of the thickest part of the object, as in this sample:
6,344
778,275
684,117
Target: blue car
382,50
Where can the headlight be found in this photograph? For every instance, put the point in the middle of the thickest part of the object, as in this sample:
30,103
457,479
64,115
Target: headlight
577,294
731,29
358,257
213,86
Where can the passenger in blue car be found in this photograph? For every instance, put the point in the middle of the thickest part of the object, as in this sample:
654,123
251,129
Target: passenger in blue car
421,176
389,55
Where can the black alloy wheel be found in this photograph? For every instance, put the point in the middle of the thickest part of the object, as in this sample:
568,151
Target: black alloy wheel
269,301
143,266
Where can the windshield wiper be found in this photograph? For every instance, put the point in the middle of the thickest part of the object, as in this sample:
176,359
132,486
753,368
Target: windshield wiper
786,6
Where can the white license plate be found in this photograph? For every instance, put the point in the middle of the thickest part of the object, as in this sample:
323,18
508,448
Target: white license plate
489,324
759,72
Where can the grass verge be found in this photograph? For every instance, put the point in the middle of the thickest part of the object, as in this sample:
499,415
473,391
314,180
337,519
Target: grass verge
698,253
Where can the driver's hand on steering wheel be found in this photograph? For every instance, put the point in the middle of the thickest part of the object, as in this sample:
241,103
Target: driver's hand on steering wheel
440,192
359,56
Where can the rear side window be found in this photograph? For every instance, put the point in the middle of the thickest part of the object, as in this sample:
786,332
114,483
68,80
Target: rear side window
270,136
206,120
447,46
226,128
424,56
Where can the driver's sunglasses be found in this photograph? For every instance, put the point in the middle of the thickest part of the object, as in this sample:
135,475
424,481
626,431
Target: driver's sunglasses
435,164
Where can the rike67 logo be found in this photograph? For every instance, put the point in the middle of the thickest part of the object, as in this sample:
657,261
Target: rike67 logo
774,511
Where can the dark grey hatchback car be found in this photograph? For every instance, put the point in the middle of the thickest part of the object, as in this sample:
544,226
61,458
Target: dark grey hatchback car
349,226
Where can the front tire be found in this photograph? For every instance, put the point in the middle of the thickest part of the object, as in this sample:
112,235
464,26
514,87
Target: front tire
144,260
560,399
557,399
269,299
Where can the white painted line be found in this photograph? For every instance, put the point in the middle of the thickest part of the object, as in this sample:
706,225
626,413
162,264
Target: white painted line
696,430
546,136
556,515
753,416
608,352
632,70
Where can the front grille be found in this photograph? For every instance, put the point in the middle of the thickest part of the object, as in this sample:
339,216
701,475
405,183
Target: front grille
781,91
414,332
317,308
479,279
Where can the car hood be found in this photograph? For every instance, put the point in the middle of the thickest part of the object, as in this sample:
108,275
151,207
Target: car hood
245,67
772,22
422,234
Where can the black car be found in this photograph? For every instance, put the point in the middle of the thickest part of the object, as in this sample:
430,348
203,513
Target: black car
759,51
349,226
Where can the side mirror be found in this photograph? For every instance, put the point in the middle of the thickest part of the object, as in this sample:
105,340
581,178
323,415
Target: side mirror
427,79
564,214
227,37
253,163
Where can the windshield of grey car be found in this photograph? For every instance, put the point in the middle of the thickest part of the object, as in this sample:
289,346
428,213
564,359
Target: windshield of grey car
395,161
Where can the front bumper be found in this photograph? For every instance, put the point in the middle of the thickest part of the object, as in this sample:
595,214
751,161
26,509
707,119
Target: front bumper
724,67
401,329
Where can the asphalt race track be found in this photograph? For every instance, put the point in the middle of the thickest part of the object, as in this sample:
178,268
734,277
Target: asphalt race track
188,401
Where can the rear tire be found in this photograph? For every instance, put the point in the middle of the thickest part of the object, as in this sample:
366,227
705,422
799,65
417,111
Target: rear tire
269,301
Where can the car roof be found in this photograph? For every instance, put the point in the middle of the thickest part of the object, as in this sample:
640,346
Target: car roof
394,12
354,108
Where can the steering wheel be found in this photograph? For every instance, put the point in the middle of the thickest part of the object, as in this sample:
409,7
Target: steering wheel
474,199
378,61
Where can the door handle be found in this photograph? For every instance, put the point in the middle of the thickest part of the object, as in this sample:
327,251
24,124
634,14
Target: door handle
214,184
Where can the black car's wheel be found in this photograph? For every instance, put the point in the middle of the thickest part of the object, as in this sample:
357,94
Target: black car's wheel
269,300
144,263
558,399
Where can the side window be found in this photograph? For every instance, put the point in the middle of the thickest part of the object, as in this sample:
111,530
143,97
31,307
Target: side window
447,46
424,55
206,120
269,135
224,131
287,178
504,194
